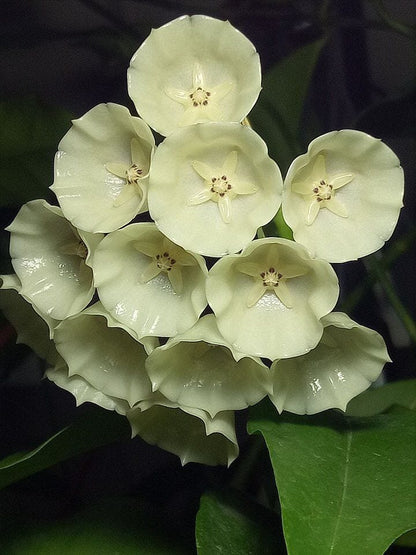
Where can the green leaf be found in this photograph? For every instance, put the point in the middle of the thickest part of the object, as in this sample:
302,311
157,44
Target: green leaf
277,114
95,428
29,135
232,524
116,526
377,400
346,485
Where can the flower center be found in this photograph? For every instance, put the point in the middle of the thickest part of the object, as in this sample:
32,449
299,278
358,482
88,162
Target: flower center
199,97
271,277
81,250
133,174
164,262
220,185
323,191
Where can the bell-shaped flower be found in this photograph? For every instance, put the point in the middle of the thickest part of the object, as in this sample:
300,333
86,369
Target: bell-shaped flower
269,299
199,369
33,328
343,197
194,69
347,360
83,391
52,260
102,352
212,185
102,168
187,432
148,283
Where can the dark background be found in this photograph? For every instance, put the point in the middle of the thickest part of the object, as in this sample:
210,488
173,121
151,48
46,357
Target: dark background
74,54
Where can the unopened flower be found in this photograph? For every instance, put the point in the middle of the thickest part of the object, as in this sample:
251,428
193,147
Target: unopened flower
190,433
346,361
212,185
52,260
102,167
104,354
343,197
199,369
148,283
194,69
269,299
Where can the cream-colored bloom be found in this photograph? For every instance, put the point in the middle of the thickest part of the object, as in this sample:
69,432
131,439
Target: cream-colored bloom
343,197
187,432
269,299
52,260
104,353
102,167
212,185
148,283
191,70
199,369
347,360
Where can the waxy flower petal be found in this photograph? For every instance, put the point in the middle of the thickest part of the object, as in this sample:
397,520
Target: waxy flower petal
187,432
269,299
52,260
343,197
347,360
199,369
101,169
212,185
148,283
194,69
103,352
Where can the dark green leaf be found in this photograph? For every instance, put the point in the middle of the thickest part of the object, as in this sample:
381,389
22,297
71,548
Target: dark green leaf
117,526
346,485
29,137
277,114
231,524
377,400
95,428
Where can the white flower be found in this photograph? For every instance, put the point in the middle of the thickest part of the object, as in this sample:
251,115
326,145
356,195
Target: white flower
101,169
187,432
343,197
347,360
211,186
83,391
104,354
52,260
148,283
199,369
194,69
269,299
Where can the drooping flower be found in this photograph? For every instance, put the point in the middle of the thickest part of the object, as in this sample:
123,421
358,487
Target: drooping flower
211,186
190,433
346,361
104,353
199,369
191,70
102,168
269,299
52,260
343,197
148,283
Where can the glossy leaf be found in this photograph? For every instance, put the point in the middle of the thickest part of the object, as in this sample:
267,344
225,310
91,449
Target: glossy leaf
231,524
346,484
95,428
29,135
377,400
277,114
119,526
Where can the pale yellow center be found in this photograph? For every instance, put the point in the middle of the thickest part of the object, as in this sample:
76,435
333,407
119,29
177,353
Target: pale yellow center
199,97
165,262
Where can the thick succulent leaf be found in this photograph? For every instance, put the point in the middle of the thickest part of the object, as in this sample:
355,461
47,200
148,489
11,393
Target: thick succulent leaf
95,428
241,526
379,399
346,484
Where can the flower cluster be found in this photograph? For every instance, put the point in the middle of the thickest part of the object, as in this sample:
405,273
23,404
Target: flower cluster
117,287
